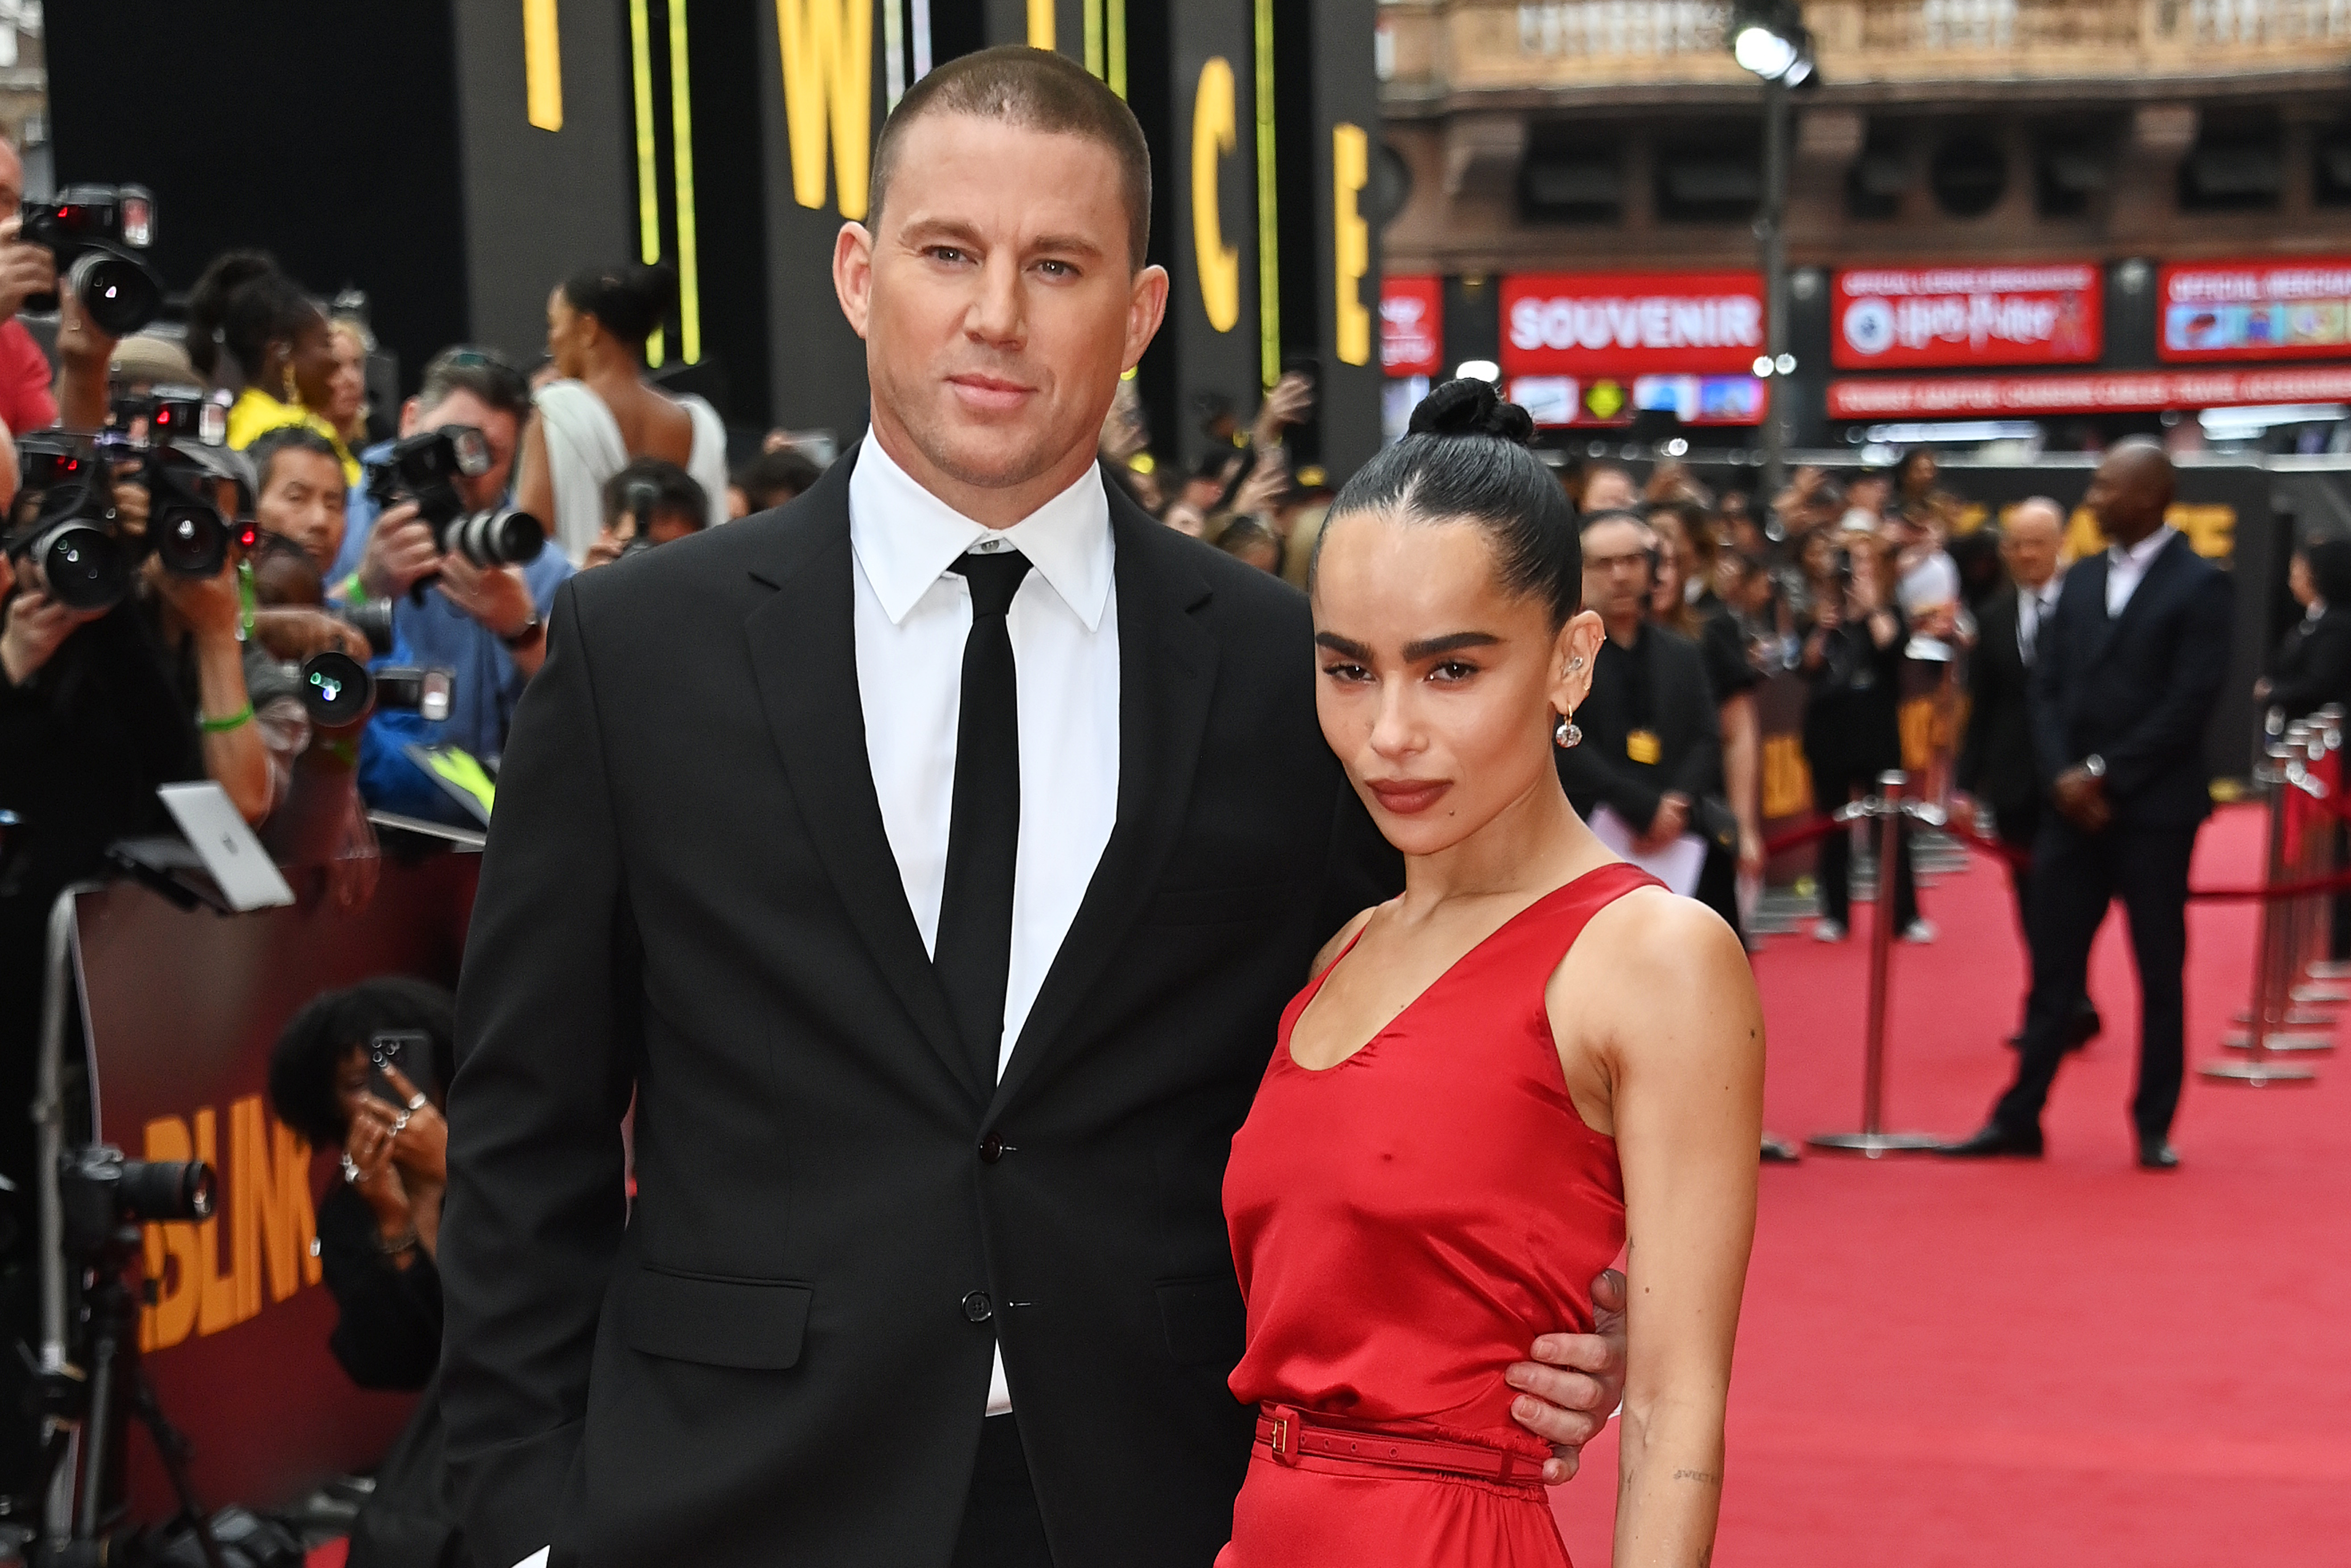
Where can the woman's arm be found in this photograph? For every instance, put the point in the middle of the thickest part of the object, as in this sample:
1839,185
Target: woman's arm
534,482
1742,770
1679,1034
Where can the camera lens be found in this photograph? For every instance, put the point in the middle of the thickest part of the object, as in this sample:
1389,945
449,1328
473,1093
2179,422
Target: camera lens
86,568
118,293
167,1189
337,690
190,541
498,537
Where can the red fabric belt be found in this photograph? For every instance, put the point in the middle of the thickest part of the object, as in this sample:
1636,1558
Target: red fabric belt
1292,1437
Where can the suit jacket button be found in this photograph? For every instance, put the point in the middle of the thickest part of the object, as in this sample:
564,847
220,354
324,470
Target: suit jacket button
978,1307
991,1149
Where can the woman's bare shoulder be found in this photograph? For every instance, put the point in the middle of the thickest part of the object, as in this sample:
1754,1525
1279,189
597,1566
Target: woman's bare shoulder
1660,953
1338,945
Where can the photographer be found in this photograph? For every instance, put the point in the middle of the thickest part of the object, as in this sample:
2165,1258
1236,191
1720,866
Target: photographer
485,624
27,271
651,502
380,1224
1851,639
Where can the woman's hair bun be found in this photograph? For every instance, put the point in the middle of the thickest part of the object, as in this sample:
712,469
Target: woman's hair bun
1471,407
630,299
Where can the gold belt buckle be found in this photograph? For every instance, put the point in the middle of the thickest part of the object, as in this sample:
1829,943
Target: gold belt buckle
1282,1442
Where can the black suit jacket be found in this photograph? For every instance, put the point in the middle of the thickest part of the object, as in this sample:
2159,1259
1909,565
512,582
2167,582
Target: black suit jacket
1996,763
781,1355
1682,715
2137,690
2314,663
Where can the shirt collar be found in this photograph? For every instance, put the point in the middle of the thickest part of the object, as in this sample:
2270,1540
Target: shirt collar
2140,554
906,538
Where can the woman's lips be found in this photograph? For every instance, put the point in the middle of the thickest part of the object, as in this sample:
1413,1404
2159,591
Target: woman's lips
1409,797
990,392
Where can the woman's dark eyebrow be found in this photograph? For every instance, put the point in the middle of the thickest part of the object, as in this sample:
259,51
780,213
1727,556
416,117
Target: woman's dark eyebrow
1414,653
1338,645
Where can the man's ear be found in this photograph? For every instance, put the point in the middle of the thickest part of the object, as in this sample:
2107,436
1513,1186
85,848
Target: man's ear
1146,306
409,414
852,273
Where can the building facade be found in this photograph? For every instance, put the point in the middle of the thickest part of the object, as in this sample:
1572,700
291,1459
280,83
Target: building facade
2098,215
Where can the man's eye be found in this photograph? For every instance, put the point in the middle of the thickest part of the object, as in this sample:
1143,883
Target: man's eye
947,253
1057,269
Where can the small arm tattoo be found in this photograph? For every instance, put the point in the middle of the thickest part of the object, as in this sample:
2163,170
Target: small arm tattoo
1710,1477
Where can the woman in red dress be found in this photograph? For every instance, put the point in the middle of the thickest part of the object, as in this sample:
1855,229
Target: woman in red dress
1493,1078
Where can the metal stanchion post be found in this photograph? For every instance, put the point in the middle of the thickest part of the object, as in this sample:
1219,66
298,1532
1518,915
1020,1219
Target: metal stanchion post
2312,909
2264,1033
2330,719
2279,956
1888,809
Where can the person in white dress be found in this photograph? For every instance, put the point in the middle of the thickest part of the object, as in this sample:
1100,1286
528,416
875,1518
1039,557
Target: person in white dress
601,413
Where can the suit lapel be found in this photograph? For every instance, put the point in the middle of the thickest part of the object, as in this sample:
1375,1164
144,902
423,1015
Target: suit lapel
803,640
1167,673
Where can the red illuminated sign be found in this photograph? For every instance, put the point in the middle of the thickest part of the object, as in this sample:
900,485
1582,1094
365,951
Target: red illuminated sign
1621,325
1412,326
1898,318
2121,391
2255,310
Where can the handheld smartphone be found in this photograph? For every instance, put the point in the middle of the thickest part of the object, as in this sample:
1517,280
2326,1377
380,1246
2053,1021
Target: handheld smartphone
402,1052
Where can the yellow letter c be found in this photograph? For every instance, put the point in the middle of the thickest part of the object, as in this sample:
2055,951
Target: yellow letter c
1214,134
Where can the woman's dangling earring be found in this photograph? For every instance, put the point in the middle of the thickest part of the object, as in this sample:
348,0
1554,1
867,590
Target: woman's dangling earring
1568,734
293,391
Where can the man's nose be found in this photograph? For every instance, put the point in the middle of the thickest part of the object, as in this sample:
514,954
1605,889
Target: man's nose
996,314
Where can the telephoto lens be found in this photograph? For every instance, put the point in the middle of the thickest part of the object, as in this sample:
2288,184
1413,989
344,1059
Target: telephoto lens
118,292
371,619
337,690
167,1189
189,535
496,538
99,1191
83,566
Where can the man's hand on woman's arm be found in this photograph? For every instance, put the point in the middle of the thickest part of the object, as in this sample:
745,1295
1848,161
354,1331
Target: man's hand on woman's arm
1574,1382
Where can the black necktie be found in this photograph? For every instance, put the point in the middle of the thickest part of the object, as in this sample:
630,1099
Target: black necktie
974,951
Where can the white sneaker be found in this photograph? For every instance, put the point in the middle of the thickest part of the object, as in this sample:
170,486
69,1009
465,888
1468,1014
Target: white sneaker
1828,931
1921,931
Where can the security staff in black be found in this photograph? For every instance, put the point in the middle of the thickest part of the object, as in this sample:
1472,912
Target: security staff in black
1651,743
2124,679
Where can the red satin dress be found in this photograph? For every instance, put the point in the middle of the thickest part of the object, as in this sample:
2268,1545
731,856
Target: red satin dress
1406,1224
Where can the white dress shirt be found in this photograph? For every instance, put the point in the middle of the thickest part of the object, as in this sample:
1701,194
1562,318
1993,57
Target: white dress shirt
2125,569
912,614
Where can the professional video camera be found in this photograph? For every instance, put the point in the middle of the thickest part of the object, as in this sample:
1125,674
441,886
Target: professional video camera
95,232
66,504
338,690
424,468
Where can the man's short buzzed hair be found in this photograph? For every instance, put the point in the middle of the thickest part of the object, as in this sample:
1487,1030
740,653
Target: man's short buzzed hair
1039,90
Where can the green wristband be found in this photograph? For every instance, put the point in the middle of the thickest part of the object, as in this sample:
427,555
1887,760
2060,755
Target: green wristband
236,720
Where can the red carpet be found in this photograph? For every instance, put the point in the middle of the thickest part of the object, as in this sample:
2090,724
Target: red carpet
2065,1362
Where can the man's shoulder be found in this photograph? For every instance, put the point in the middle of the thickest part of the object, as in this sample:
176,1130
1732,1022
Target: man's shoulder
719,564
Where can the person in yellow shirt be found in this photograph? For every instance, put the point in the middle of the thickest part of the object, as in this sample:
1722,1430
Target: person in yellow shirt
279,352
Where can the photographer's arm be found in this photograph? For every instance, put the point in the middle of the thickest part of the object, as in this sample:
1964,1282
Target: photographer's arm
548,1046
83,355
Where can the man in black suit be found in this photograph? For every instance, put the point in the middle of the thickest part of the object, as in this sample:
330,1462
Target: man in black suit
2124,675
1651,750
1996,767
930,860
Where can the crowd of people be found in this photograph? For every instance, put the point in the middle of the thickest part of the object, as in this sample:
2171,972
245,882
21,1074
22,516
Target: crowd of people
438,536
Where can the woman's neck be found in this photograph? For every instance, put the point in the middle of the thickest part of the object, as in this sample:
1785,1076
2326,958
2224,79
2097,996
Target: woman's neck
1536,843
612,373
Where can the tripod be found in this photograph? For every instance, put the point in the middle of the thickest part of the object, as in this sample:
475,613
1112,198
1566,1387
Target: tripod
71,1403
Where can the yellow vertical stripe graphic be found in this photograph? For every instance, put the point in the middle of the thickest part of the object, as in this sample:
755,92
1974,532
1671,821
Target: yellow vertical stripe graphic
828,57
542,65
1351,244
1115,25
1093,10
680,121
1040,24
641,80
1269,249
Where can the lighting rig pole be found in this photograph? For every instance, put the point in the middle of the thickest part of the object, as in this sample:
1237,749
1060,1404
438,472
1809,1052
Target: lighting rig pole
1769,38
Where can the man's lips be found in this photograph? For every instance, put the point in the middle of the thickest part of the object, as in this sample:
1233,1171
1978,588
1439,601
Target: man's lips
1408,796
986,391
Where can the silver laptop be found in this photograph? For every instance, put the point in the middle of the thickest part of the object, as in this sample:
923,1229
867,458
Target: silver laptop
230,853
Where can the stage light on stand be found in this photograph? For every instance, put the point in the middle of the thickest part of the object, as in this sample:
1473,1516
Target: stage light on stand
1477,370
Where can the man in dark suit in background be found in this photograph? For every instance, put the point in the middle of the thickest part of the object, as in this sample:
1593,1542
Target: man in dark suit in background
1996,767
931,860
1652,739
2124,677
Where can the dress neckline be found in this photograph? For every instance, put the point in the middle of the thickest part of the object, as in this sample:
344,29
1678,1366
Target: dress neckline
1315,986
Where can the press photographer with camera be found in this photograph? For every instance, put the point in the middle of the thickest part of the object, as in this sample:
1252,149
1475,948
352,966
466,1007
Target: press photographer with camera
467,584
651,502
27,271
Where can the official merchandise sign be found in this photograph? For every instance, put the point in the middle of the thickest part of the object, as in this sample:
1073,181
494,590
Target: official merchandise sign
2255,310
1623,325
1412,326
2119,391
1560,400
1895,318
